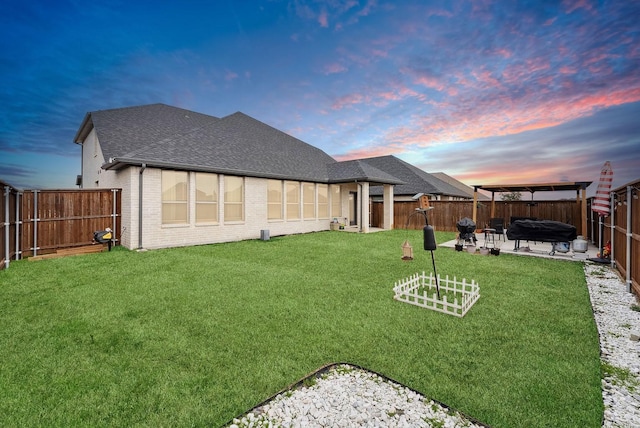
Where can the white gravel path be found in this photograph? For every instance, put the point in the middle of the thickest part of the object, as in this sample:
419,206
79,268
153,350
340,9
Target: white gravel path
346,396
617,322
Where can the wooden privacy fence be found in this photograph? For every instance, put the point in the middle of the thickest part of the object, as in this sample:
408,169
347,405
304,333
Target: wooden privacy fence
37,222
622,230
445,214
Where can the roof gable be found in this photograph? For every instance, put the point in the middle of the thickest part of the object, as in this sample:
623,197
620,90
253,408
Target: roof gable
123,130
415,180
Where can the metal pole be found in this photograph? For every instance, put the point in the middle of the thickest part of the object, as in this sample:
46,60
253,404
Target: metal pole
18,225
6,227
35,222
433,261
114,192
629,233
612,219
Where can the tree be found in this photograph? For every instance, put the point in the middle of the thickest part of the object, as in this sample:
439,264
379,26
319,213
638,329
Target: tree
513,196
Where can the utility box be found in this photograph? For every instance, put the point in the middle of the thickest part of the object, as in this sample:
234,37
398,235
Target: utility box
264,235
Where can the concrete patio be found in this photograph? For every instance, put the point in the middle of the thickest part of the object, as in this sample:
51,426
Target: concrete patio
529,248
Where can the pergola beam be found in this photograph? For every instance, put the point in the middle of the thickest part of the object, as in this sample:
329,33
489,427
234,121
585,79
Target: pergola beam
578,186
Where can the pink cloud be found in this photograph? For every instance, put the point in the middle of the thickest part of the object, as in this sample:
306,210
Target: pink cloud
323,19
230,75
573,5
334,68
348,100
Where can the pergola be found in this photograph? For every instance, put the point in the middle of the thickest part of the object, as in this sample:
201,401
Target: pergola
579,186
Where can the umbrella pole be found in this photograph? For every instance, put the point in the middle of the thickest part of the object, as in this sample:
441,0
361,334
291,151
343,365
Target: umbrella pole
601,235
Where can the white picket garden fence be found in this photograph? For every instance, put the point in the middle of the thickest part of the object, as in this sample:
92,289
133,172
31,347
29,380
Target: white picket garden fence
420,290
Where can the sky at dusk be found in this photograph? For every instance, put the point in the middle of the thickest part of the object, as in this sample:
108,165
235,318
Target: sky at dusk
489,92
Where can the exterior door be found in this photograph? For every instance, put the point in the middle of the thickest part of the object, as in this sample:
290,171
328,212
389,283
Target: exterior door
353,208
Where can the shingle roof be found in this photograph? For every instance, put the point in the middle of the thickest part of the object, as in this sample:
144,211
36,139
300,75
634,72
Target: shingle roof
459,185
237,144
126,129
164,136
358,170
415,180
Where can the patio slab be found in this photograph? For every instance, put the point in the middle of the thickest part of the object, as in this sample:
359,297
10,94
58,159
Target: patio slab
531,248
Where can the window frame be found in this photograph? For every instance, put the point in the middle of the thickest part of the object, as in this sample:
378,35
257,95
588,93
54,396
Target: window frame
215,202
233,203
177,202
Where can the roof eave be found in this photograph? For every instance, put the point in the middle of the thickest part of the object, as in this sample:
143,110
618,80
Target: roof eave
85,128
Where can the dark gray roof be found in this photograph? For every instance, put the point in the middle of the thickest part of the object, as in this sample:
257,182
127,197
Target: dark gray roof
127,129
237,144
358,170
168,137
460,185
415,180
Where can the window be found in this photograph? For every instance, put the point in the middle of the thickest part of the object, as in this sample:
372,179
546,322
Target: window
274,199
336,201
206,198
323,201
174,197
293,200
309,200
233,198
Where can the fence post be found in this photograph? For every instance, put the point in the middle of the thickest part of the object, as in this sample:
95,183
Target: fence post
629,233
35,223
114,213
18,224
6,227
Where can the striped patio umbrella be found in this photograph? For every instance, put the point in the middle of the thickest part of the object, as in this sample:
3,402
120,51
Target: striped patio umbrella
602,206
601,203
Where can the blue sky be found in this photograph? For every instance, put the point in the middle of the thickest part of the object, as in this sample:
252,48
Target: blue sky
486,91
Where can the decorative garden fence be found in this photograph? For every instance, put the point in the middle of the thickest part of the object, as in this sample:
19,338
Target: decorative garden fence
447,296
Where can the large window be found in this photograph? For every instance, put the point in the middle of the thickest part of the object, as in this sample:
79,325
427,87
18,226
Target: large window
293,200
274,199
336,201
309,200
233,198
323,201
174,197
206,198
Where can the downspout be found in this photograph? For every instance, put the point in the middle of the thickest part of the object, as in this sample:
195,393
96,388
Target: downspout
140,182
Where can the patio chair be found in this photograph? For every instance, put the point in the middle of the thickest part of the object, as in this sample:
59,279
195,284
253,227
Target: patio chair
497,224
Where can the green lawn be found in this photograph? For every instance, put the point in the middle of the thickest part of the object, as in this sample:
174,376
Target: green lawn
196,336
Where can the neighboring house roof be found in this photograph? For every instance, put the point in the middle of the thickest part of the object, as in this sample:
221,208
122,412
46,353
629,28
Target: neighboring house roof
359,170
415,180
460,185
169,137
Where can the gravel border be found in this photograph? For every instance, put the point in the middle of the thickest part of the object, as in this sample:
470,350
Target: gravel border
345,395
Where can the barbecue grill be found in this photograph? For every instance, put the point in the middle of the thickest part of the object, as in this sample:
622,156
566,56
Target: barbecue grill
467,229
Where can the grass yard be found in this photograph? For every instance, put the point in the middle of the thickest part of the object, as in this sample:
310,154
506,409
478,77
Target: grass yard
195,336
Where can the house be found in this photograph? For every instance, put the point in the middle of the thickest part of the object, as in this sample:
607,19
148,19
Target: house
188,178
415,181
